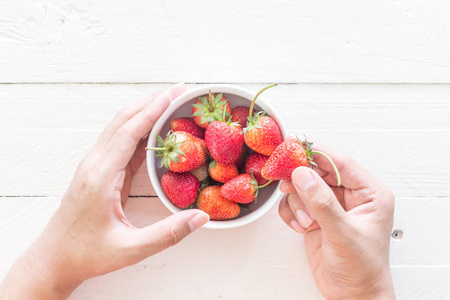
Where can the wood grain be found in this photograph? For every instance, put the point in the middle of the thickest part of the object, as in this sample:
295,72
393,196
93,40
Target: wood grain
397,132
312,106
241,259
42,162
227,41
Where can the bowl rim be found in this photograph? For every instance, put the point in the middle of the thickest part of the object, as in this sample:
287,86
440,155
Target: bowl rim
174,105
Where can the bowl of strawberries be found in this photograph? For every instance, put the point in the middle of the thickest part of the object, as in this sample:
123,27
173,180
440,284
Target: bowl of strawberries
208,149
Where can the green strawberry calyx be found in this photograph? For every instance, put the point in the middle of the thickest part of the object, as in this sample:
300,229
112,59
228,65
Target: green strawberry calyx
168,150
211,109
252,120
307,146
254,182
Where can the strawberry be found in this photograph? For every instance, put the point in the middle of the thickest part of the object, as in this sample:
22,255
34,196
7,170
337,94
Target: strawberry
241,160
216,206
202,174
224,141
222,173
239,114
255,162
188,125
262,133
180,151
180,188
288,156
241,189
208,110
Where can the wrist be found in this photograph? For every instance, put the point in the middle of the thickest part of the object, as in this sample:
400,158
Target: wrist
383,289
43,271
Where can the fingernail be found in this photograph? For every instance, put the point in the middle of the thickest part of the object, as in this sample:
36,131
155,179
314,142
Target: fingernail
303,178
296,226
303,218
198,221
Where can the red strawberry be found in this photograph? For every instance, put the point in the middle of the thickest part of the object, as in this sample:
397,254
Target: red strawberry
262,133
255,162
222,173
180,151
290,155
216,206
241,189
239,114
224,141
241,160
188,125
180,188
208,110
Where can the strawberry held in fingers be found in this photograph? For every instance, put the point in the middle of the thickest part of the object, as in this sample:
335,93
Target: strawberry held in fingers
180,151
224,141
180,188
188,125
222,173
254,164
241,189
210,108
290,155
262,133
215,205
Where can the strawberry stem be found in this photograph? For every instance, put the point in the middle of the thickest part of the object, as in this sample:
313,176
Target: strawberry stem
254,100
264,185
338,176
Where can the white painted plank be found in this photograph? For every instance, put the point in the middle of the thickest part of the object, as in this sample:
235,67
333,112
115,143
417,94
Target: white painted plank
224,41
162,282
315,106
412,163
264,260
411,283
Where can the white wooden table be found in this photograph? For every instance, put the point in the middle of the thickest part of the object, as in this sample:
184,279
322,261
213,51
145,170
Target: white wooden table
367,77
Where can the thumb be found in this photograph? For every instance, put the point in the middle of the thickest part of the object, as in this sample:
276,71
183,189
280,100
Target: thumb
169,232
319,199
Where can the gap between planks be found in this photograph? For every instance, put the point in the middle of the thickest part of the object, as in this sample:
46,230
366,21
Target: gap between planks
220,82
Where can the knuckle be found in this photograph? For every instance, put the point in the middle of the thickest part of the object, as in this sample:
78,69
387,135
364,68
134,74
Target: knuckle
125,133
171,236
92,180
323,202
123,113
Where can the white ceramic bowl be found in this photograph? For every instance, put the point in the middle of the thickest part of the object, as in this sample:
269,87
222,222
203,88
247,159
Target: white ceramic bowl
182,107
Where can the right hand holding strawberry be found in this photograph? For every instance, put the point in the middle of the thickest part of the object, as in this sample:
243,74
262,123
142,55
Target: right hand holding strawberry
347,228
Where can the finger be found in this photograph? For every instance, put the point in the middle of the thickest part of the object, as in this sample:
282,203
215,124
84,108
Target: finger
353,175
126,113
288,217
320,200
301,212
168,232
123,144
126,188
138,156
287,187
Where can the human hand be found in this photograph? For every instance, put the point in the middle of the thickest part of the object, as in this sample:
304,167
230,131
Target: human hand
89,234
346,229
